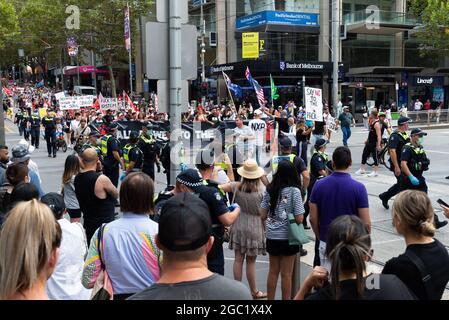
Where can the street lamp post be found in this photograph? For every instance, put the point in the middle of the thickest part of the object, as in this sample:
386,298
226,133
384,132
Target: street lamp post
203,50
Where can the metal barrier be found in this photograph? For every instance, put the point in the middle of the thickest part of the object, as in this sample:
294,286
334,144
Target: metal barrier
428,117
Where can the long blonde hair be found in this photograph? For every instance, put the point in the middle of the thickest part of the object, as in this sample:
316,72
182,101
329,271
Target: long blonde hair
414,209
28,238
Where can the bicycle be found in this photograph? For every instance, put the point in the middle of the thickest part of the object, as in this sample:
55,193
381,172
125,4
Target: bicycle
383,156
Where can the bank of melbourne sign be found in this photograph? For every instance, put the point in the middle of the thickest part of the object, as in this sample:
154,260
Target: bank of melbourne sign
278,18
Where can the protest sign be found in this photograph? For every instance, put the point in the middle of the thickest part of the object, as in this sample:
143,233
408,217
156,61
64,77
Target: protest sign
314,104
108,104
75,103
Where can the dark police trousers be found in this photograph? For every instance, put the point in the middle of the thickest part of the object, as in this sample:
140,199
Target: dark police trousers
112,171
50,137
148,169
35,136
407,185
394,190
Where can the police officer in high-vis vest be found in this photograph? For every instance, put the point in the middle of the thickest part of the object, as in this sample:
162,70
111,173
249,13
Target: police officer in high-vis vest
35,122
147,143
414,162
132,155
398,139
49,123
286,154
110,149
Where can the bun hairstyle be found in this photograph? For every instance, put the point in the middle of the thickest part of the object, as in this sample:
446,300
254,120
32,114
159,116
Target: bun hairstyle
348,246
414,209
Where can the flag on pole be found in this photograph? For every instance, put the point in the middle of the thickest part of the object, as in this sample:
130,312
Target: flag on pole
128,101
40,84
257,87
236,89
274,90
127,29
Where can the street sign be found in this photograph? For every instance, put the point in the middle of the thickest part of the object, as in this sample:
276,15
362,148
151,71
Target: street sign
163,95
250,45
157,54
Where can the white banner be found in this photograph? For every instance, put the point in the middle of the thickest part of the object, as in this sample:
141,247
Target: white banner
59,95
76,103
314,104
109,104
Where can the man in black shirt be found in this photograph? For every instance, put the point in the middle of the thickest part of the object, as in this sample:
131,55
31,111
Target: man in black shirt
49,123
150,150
214,118
221,215
397,141
35,121
372,145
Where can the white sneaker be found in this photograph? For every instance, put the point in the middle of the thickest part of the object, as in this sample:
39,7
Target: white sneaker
360,172
372,174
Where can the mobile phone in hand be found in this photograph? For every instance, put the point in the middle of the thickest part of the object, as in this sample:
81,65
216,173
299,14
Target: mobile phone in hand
441,202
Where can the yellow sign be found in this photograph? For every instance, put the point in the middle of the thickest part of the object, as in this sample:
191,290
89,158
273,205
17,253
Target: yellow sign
250,45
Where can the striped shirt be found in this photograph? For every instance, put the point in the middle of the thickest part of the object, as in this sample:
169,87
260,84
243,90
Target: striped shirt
129,253
277,222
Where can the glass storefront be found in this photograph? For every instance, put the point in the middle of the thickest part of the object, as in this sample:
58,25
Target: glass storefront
363,50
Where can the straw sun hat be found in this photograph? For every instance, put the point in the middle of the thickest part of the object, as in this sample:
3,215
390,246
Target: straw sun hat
251,170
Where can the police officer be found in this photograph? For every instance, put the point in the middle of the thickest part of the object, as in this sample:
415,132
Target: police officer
286,154
132,155
110,149
49,124
398,139
18,121
150,150
35,122
414,162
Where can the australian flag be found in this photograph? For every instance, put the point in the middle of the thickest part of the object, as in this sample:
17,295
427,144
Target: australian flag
236,89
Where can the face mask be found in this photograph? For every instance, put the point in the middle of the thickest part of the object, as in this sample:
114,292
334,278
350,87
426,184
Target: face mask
421,141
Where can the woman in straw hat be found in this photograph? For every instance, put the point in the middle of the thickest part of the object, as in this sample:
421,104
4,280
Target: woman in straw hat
247,236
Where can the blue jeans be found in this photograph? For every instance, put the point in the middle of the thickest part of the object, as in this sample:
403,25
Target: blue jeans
258,153
346,135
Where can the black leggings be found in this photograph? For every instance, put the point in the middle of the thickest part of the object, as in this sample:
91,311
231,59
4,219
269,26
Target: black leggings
370,149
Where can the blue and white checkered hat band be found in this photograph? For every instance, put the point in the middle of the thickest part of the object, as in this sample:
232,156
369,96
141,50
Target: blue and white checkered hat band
190,184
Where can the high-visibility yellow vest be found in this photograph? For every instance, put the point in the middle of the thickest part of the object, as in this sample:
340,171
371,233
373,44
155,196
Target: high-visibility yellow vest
104,144
277,159
126,151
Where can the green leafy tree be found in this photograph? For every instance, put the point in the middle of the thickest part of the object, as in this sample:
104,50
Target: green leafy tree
9,29
434,34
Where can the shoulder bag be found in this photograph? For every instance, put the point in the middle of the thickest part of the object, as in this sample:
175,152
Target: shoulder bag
426,278
102,289
296,233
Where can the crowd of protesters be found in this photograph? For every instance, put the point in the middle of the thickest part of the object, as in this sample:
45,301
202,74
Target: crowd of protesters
74,244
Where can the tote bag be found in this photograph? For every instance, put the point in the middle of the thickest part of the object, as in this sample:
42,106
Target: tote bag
296,233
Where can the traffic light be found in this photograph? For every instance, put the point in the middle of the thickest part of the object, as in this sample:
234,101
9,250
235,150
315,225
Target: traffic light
204,88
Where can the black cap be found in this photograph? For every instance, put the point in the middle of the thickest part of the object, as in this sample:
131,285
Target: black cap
418,132
134,135
55,202
403,120
185,223
190,178
319,143
94,133
285,142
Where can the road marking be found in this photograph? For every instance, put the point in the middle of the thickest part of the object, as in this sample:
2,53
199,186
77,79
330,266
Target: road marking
440,152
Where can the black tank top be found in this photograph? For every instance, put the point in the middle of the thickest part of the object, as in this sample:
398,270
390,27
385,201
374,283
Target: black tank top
372,136
95,210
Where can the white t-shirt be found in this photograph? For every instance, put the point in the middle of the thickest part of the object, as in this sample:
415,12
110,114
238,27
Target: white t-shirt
65,282
418,105
258,127
244,131
74,124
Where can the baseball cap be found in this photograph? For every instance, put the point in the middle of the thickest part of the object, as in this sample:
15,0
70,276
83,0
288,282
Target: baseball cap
345,107
113,126
134,135
258,112
320,142
55,202
185,223
381,114
20,154
419,132
94,133
403,120
286,142
190,178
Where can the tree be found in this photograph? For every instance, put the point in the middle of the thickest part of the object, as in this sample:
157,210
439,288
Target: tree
434,35
9,27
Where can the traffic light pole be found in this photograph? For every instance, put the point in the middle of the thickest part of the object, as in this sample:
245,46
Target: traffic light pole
203,51
335,49
175,83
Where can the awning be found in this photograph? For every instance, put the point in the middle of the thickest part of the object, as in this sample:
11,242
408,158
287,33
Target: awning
71,71
383,70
